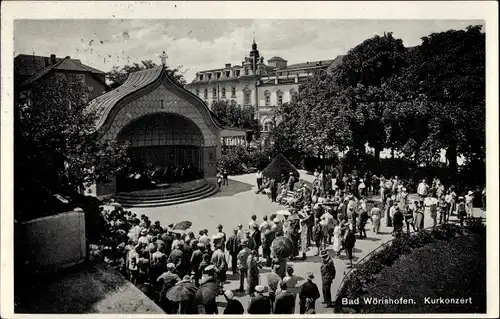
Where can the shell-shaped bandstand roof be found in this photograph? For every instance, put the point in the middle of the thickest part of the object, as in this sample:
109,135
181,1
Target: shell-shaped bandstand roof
103,104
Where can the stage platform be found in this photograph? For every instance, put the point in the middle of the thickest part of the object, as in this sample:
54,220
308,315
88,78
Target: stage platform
168,194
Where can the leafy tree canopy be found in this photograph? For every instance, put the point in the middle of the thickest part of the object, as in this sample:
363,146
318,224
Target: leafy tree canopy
235,115
56,147
118,75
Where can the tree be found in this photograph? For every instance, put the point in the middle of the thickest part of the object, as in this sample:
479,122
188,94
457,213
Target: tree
440,98
56,147
237,116
452,74
117,76
361,76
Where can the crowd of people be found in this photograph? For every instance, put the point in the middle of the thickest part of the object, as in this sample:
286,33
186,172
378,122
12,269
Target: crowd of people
159,259
146,177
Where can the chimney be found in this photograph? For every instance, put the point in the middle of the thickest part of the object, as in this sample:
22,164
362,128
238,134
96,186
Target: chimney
53,59
228,65
46,61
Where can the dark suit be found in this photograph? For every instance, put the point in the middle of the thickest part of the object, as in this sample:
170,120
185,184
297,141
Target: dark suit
234,307
308,290
273,187
327,277
259,305
284,303
233,247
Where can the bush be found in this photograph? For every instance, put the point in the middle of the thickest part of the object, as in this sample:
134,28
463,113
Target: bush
280,166
366,272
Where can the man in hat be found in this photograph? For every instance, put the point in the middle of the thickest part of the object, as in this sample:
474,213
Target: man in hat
257,237
251,244
309,220
234,306
220,263
273,280
327,276
243,264
285,301
196,259
233,247
260,304
461,210
176,257
167,280
221,233
291,182
269,236
273,188
308,294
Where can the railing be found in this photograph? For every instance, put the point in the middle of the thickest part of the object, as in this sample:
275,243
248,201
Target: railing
368,256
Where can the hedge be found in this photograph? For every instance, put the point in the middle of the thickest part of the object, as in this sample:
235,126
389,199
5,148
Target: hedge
355,283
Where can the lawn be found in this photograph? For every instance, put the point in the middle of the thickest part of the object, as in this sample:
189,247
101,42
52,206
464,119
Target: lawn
449,269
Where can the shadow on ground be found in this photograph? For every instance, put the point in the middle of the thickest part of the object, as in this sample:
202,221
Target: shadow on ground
234,187
80,290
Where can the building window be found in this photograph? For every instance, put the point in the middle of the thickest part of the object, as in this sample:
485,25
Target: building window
223,93
201,77
209,76
279,96
246,71
233,92
205,95
218,75
246,97
197,92
237,73
267,95
228,74
214,93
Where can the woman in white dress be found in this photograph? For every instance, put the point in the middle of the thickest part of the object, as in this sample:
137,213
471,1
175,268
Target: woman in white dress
337,239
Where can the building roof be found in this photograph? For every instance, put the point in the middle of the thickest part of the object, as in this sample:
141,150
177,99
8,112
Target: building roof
136,81
25,64
276,58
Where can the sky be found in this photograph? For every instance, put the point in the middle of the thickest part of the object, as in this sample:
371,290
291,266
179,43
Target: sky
203,44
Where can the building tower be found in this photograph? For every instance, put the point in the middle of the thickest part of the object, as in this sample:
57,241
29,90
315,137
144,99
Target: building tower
254,56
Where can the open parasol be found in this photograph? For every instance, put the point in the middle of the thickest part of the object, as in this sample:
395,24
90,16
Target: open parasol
181,225
181,292
283,212
282,246
206,293
428,201
176,231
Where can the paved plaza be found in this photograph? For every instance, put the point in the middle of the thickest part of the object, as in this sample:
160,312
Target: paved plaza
235,204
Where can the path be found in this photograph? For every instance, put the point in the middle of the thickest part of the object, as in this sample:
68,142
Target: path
235,204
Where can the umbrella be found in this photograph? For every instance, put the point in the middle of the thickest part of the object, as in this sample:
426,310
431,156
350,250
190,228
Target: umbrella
181,292
177,231
115,204
282,246
206,293
181,225
283,212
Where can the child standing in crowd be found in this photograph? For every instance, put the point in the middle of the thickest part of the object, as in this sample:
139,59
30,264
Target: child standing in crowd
219,180
469,198
461,210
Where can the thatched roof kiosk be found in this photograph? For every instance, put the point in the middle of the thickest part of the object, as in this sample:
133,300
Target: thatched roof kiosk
278,166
